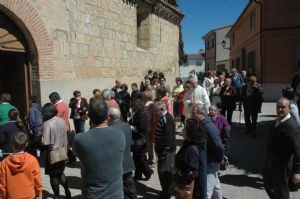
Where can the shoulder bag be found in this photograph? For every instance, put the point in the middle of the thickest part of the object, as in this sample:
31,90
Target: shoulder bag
178,188
58,155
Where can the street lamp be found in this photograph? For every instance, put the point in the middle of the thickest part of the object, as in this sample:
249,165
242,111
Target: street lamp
224,45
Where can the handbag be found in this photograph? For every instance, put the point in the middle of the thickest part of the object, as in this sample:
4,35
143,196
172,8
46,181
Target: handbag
180,189
58,155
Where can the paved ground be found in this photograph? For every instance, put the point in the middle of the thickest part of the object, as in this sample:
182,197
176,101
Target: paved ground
242,180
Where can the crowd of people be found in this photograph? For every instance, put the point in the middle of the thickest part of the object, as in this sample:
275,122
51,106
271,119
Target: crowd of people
130,134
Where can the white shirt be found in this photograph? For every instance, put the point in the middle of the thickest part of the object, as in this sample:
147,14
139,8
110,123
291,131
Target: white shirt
278,122
208,83
196,95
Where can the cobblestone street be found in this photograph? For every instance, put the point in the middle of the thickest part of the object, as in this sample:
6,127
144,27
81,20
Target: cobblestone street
242,179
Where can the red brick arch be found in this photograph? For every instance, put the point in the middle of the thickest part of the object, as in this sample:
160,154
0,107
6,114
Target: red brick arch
26,17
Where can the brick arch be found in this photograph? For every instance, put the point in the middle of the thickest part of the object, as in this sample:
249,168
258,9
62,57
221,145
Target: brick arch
28,20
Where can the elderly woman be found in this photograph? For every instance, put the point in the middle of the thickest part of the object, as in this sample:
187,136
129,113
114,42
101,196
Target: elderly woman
148,107
54,137
139,125
228,98
214,95
191,159
222,124
176,90
107,97
124,101
180,99
161,95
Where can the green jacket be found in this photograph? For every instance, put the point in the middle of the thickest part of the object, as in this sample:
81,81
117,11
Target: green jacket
5,107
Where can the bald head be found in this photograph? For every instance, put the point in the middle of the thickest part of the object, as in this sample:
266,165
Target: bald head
283,107
114,113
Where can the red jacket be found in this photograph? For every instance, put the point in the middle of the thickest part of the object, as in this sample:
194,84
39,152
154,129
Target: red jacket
63,112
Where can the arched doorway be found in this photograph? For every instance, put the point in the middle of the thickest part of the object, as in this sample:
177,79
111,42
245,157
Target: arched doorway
15,69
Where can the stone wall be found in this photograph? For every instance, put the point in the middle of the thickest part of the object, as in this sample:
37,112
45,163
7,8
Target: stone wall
95,41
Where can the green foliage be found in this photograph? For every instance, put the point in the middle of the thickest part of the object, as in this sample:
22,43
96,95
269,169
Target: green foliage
181,54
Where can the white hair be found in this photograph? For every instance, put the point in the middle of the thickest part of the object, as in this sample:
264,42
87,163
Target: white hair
200,109
160,105
106,94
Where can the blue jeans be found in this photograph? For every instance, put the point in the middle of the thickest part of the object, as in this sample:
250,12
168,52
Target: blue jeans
79,125
213,186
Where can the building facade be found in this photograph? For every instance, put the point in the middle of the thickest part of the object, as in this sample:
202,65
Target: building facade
217,55
195,61
265,41
69,45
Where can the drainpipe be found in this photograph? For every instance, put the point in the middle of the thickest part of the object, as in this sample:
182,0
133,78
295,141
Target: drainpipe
261,44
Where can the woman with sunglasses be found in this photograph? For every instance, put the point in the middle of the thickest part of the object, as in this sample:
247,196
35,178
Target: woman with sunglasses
191,159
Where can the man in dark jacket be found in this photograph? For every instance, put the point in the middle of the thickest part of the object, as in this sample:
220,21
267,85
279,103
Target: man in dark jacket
282,165
250,97
128,164
215,152
36,123
165,147
135,94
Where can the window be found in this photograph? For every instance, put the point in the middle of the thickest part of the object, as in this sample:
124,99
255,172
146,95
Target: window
212,43
198,63
207,45
143,26
207,66
232,63
252,19
251,61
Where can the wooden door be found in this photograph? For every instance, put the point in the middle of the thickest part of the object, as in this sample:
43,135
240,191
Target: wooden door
14,79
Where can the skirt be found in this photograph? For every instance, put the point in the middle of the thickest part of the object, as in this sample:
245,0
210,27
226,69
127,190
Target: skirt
55,169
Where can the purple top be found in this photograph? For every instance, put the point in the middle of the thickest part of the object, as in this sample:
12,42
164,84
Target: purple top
221,124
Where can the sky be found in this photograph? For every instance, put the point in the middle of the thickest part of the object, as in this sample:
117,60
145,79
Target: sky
201,16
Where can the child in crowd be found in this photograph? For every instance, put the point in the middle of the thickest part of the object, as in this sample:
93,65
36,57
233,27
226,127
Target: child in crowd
20,175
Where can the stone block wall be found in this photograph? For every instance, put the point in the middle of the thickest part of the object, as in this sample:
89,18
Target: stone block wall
94,42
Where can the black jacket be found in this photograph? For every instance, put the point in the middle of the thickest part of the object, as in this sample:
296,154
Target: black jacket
253,101
228,101
82,110
124,101
190,160
165,135
283,144
215,148
136,95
